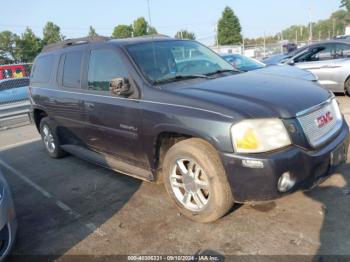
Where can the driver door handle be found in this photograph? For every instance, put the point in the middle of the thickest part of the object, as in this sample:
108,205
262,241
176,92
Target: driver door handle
90,105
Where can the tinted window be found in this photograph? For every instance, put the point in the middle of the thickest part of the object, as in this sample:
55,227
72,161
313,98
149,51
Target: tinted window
320,53
104,66
72,69
342,51
42,69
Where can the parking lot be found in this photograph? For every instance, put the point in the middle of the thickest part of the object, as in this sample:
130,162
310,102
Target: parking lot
71,207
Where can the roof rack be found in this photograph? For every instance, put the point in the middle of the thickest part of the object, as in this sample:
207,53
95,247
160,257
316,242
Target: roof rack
75,41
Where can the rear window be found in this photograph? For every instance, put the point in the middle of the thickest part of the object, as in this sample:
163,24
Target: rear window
6,73
14,83
72,68
42,69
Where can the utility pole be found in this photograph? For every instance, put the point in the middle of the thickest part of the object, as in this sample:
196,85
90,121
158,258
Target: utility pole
296,37
264,44
149,13
333,27
216,35
310,24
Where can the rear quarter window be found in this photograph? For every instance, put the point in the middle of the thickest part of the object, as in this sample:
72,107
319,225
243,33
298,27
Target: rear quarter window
42,69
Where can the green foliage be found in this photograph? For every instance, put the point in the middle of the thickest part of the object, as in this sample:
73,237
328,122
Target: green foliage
152,30
346,4
140,27
52,34
184,34
92,32
229,28
122,31
7,47
28,46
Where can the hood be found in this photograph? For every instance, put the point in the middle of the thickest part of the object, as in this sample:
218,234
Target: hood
287,71
275,59
253,95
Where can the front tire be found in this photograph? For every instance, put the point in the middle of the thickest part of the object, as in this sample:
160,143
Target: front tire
196,180
50,139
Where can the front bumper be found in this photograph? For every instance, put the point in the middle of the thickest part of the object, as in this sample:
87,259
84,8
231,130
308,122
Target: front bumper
308,168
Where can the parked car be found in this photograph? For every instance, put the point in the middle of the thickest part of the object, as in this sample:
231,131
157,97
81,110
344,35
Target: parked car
281,58
8,222
13,71
329,61
14,90
213,136
245,64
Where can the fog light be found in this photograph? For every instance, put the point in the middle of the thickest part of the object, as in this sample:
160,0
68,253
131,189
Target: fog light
286,182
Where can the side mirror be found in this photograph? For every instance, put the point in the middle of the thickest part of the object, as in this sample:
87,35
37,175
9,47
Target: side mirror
291,62
120,86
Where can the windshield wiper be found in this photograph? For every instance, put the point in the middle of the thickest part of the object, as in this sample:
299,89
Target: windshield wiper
180,78
222,71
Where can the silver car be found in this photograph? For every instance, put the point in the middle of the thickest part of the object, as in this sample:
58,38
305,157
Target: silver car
8,222
245,64
329,61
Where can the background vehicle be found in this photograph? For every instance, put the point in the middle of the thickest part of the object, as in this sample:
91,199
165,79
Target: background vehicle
13,71
245,64
8,222
213,135
14,90
329,61
281,58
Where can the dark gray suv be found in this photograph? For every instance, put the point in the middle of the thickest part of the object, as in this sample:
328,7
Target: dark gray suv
168,110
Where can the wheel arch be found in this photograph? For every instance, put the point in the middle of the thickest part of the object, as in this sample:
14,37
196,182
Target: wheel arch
38,114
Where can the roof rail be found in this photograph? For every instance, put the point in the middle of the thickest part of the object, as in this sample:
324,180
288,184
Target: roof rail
74,41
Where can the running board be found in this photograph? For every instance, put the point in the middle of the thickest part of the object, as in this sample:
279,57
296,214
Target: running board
109,162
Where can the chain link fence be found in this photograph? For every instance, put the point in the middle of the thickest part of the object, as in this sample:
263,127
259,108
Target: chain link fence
14,96
259,51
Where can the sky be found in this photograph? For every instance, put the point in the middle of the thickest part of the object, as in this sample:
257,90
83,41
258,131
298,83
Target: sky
199,16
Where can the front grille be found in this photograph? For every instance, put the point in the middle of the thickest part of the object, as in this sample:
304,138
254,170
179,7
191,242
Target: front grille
316,134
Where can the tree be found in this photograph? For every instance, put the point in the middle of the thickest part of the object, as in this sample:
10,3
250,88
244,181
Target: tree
122,31
92,32
140,27
152,30
346,4
184,34
7,46
28,46
229,28
52,34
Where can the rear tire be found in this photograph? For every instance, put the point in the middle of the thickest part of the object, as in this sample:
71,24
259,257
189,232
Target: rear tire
50,139
195,179
347,87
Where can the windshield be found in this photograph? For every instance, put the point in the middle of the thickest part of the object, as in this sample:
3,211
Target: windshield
243,63
166,61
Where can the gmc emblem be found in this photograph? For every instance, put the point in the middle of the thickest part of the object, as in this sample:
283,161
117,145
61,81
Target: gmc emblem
324,119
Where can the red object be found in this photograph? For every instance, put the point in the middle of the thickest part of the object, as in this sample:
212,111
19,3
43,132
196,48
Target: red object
12,71
324,119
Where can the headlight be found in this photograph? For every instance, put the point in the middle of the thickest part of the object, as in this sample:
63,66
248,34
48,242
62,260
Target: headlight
259,135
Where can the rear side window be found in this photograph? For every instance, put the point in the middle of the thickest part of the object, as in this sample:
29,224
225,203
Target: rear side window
42,69
72,69
342,51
